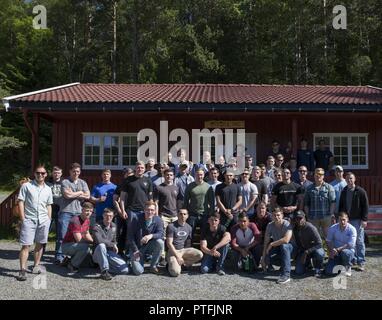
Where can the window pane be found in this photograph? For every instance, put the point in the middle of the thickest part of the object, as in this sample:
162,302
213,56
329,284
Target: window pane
344,141
106,161
336,141
88,161
88,140
354,151
362,160
107,141
96,161
362,141
344,150
88,150
362,151
354,160
96,141
354,141
344,161
96,151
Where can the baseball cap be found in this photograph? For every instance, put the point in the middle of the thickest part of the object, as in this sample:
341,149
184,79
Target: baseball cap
339,168
299,214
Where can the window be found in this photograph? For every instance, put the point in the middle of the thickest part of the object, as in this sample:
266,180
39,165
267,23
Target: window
112,150
350,150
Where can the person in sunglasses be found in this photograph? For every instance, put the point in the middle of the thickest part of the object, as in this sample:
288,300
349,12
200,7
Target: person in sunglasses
35,206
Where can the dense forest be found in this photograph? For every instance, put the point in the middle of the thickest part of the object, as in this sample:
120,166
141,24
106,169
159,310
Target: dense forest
178,41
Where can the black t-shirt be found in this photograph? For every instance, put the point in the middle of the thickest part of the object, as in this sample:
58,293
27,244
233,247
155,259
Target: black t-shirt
138,190
261,189
212,238
322,158
287,193
228,194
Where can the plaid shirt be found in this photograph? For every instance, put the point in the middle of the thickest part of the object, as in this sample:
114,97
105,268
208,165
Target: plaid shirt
318,200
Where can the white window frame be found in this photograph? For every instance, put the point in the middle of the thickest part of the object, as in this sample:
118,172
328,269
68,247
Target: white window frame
101,136
349,136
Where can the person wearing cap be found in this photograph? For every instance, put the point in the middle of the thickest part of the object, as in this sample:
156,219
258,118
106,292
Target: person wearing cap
308,244
355,202
338,184
320,203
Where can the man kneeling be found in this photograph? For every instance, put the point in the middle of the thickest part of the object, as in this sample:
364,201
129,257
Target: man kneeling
179,241
106,250
77,239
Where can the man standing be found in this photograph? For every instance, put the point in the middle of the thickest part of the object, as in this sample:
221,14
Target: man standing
338,184
246,240
320,203
229,200
198,200
214,241
341,243
35,206
179,240
305,156
324,157
55,183
102,196
77,240
309,245
249,193
182,180
136,191
355,202
278,246
303,180
145,236
74,191
262,191
287,195
106,250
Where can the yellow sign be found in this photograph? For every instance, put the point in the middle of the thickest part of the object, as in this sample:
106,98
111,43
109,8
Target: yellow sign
222,124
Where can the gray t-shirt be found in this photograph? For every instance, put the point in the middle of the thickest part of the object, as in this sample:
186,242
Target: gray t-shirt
73,205
167,196
179,233
276,233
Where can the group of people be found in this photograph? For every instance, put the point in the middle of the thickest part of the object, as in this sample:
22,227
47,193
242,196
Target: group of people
262,215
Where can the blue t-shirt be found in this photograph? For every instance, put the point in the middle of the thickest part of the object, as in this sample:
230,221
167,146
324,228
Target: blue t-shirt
103,189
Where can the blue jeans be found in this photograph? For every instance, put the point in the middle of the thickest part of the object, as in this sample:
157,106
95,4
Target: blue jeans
360,248
62,227
317,256
153,247
77,251
109,260
282,255
344,258
209,262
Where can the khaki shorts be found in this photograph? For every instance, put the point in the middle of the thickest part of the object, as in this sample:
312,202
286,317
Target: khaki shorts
33,231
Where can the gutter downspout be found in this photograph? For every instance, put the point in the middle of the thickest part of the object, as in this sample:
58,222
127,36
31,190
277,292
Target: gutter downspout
34,139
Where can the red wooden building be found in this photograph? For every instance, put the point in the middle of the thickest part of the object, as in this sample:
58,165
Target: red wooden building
96,124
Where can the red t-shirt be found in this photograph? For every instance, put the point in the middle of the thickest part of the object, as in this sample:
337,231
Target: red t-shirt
76,225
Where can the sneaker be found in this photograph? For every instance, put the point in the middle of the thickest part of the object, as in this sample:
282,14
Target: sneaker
221,272
38,269
22,276
72,268
162,262
361,267
65,262
317,273
154,270
348,271
105,275
270,268
283,279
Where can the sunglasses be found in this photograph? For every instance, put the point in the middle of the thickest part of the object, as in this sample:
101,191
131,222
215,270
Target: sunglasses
42,173
302,171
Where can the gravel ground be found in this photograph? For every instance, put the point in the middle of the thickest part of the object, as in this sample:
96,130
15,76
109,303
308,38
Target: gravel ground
190,285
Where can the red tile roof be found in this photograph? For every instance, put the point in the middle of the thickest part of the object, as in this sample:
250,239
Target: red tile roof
210,93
